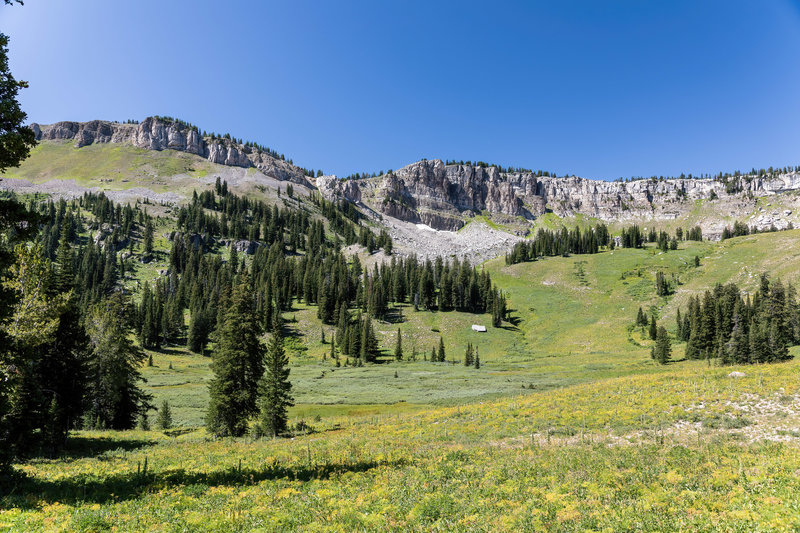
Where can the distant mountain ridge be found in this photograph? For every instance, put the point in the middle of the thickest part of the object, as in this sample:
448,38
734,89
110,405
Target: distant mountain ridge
156,133
440,195
446,196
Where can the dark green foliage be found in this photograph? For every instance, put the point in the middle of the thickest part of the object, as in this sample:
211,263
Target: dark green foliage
663,287
735,330
441,355
275,388
663,347
148,237
115,399
398,348
563,242
469,358
164,420
641,318
16,139
238,364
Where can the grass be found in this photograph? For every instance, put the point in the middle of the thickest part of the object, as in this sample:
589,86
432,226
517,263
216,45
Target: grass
574,325
610,455
109,166
568,426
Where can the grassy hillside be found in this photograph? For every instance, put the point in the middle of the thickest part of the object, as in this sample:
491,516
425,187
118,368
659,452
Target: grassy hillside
687,449
573,321
114,166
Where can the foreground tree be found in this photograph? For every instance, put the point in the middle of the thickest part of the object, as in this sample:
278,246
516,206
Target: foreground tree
16,139
237,364
116,401
275,388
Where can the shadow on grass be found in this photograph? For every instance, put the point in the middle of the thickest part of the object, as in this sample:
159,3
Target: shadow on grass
168,350
394,315
27,493
80,447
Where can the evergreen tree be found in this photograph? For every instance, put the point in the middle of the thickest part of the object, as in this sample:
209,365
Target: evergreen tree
398,349
237,365
116,401
164,420
663,346
653,329
148,236
275,388
441,357
477,359
468,355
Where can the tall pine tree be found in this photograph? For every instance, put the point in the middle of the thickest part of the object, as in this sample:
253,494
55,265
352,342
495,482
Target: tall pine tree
237,364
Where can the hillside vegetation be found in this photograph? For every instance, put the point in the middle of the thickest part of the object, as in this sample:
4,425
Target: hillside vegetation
568,424
685,449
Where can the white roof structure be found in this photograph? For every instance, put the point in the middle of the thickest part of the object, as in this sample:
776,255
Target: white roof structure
476,327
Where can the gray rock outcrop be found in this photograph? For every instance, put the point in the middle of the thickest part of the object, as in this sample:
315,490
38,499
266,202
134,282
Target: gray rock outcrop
440,195
160,134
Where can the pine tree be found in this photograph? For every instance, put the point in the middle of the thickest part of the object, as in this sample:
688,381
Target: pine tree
398,349
441,358
693,350
663,347
468,355
641,318
116,401
237,364
653,329
477,359
148,236
275,388
164,420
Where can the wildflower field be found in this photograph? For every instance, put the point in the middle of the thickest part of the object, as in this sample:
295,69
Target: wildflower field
686,449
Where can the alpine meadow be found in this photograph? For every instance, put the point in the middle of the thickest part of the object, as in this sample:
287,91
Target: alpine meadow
199,332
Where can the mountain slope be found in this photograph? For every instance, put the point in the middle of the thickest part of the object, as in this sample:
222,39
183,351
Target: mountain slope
421,205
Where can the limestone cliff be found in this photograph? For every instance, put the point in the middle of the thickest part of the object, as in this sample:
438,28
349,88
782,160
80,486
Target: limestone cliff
160,134
440,195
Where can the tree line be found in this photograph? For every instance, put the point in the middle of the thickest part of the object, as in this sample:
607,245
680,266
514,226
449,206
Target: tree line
549,243
735,328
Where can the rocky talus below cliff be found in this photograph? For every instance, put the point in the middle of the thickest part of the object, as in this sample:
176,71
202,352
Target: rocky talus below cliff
445,196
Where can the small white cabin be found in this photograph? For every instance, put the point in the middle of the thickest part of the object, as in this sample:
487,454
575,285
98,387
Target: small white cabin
481,329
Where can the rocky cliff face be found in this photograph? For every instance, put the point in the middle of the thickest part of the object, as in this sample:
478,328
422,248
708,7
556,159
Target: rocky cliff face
440,195
159,134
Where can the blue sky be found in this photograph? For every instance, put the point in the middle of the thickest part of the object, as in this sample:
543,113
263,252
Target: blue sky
598,89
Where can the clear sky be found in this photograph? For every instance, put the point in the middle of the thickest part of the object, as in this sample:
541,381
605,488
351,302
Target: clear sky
601,89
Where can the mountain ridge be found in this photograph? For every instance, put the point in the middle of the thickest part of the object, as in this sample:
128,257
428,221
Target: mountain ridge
446,196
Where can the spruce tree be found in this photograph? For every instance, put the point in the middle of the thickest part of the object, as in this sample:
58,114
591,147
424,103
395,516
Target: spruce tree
237,365
398,349
477,359
653,329
148,236
441,358
468,355
116,401
164,420
275,388
663,347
